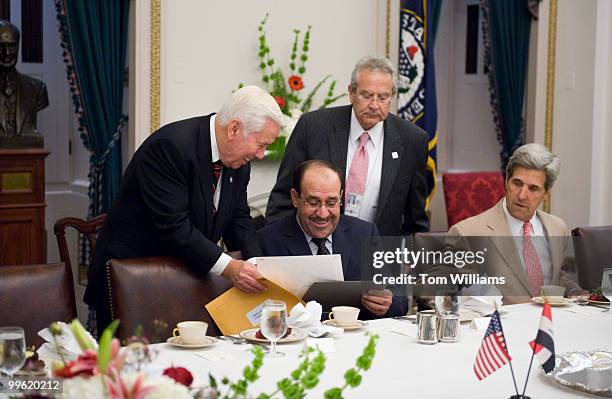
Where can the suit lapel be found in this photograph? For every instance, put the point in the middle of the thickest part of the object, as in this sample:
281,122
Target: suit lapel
342,245
390,163
503,240
295,240
228,178
338,142
205,172
556,244
19,115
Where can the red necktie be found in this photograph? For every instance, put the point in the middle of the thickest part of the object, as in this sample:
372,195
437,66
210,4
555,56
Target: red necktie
358,173
216,169
532,263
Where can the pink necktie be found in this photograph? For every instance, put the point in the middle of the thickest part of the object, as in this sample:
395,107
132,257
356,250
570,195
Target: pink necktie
358,173
532,263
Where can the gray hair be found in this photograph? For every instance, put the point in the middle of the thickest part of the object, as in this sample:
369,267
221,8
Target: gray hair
375,63
535,156
251,106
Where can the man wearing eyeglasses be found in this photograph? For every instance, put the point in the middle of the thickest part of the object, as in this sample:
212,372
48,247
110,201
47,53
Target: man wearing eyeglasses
316,227
382,158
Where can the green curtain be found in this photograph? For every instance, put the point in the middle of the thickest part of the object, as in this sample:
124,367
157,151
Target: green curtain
506,27
94,38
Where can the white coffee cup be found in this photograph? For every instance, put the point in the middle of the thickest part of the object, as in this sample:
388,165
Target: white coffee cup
190,332
553,293
344,315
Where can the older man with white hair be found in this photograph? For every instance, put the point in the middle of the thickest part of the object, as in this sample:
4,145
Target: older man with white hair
528,245
185,189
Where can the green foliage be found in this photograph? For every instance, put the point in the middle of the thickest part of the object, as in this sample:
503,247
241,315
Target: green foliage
275,80
305,377
353,377
104,353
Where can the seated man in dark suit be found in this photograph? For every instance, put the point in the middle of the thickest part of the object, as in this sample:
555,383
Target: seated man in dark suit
317,228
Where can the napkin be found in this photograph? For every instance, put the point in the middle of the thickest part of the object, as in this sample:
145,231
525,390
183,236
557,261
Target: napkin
66,342
478,306
308,318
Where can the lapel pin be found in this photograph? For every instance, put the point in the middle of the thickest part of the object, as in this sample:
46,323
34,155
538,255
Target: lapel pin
231,179
394,155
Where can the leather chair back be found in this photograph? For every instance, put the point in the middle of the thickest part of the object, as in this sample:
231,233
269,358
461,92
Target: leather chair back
467,194
34,296
593,250
142,290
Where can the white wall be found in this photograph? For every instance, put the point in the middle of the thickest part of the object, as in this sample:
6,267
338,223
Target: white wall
581,115
208,48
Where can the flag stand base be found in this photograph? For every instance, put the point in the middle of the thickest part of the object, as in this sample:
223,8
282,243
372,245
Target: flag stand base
519,397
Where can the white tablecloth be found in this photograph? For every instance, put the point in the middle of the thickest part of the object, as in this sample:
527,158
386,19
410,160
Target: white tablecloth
404,368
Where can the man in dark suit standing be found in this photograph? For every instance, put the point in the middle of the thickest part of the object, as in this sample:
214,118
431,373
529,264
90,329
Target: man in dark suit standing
382,157
317,228
185,189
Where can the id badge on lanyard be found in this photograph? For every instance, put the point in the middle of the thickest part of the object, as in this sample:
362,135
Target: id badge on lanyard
353,204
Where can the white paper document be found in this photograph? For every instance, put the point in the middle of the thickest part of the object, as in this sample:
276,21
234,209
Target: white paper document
297,273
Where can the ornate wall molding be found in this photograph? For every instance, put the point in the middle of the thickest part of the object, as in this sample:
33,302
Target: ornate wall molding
155,64
388,30
550,83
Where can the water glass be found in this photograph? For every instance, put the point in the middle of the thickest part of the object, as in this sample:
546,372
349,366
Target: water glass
12,349
273,324
606,287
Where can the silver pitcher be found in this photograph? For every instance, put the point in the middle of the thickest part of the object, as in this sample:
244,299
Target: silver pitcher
448,328
427,321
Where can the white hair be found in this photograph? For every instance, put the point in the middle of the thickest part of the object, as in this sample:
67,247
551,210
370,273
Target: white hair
251,106
374,63
535,156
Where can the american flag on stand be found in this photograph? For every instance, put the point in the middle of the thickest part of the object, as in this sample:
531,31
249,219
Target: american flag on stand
544,344
493,353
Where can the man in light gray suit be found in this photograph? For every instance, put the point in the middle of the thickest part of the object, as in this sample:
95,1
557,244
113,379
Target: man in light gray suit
382,157
510,225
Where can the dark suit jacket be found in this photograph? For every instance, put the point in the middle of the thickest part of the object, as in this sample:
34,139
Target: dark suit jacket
286,238
165,207
324,134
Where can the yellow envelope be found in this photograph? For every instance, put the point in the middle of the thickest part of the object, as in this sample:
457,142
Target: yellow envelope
235,311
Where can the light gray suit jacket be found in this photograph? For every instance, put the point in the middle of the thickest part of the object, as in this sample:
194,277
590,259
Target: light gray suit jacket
503,258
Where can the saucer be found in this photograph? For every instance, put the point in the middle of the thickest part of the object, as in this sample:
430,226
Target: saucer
176,341
598,302
353,326
563,302
296,335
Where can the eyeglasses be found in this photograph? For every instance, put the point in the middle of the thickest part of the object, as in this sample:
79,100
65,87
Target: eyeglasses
315,205
367,98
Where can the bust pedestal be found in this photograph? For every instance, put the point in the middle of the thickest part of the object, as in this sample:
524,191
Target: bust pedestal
22,206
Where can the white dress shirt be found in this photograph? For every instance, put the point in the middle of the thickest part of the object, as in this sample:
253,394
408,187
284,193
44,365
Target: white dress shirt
374,146
314,248
538,237
224,259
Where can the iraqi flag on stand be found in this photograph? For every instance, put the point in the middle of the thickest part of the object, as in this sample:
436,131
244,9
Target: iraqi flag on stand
493,352
544,345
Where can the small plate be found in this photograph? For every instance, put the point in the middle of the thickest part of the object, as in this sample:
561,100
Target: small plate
176,341
564,301
356,326
296,335
598,302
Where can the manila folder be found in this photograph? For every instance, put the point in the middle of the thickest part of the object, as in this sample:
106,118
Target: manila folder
235,311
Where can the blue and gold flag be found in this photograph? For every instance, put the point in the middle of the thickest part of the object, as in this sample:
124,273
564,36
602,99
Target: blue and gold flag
417,81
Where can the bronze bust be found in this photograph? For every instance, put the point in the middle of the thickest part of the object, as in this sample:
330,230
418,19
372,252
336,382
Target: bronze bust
21,96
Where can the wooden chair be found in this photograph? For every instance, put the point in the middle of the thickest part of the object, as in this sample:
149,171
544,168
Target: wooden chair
141,290
88,227
34,296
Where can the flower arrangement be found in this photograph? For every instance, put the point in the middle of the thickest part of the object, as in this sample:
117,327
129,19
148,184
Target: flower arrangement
288,92
102,374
